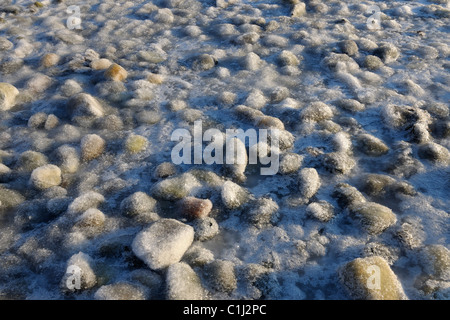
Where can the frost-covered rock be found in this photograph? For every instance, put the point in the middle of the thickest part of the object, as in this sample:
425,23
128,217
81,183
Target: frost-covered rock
317,111
287,58
251,61
136,143
309,182
204,62
374,217
86,201
163,243
371,279
372,62
8,94
83,107
370,145
205,229
103,64
79,274
92,146
68,159
375,184
348,47
321,210
298,10
387,52
10,198
137,203
221,276
195,208
46,176
435,260
121,291
435,153
290,163
164,170
351,105
198,256
182,283
339,162
263,213
30,160
116,72
233,195
176,187
347,195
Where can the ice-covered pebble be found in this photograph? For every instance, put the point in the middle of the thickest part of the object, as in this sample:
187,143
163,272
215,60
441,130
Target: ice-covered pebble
198,256
79,274
387,52
92,146
435,260
317,111
435,153
136,143
251,61
221,276
371,278
309,182
290,163
10,198
91,218
351,105
87,200
287,58
339,162
321,210
50,60
137,203
371,145
165,169
182,283
176,187
163,243
374,217
348,47
298,10
69,159
372,62
46,176
30,160
205,229
102,64
204,62
116,72
263,213
84,106
233,195
8,94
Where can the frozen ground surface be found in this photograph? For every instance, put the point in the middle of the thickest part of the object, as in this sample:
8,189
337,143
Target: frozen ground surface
383,110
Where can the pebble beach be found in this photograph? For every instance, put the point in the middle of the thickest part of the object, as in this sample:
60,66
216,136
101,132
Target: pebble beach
93,205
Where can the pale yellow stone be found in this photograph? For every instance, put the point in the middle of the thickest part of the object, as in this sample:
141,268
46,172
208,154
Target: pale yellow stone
50,60
8,95
101,64
116,73
155,78
361,276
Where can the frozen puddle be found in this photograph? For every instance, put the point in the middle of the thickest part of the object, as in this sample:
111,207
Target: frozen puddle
92,205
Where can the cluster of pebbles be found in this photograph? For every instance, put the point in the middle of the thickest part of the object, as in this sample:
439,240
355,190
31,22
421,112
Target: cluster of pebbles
88,188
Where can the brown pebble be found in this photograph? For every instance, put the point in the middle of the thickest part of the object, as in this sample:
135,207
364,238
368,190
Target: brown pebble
116,73
195,208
